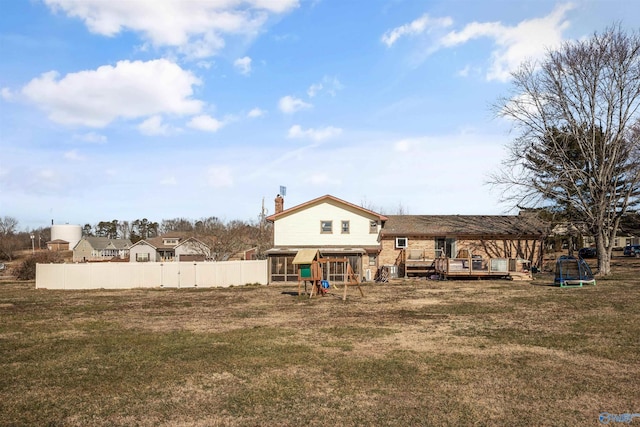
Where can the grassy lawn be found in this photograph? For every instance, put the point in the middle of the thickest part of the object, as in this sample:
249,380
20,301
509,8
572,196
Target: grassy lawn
408,353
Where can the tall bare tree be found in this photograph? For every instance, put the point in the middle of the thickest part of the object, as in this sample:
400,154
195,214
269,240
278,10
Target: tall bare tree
176,225
577,117
9,241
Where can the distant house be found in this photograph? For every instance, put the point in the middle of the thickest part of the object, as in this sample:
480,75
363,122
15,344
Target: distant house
169,248
58,245
338,229
628,232
245,255
564,232
92,249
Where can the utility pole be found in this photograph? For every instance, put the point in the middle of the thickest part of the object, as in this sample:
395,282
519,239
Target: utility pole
262,217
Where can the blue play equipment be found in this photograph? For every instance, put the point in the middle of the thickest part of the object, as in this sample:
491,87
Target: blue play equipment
572,271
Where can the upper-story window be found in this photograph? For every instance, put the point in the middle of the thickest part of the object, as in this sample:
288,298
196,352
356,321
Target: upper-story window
373,226
326,227
402,242
171,241
345,227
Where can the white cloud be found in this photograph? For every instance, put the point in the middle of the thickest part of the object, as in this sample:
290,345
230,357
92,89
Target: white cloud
296,131
129,90
330,85
243,65
205,123
530,39
6,94
205,64
196,28
220,176
91,138
416,27
464,72
153,126
290,105
314,89
404,145
73,155
256,112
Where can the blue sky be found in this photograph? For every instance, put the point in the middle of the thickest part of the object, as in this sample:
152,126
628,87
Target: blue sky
165,108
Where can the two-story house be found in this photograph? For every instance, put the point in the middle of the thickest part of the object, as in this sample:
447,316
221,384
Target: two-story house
338,229
407,244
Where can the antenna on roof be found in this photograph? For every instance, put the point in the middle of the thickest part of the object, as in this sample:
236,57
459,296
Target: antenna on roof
283,190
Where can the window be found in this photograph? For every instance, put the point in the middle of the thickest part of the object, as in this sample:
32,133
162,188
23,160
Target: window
373,260
373,226
345,227
283,269
401,242
142,257
326,227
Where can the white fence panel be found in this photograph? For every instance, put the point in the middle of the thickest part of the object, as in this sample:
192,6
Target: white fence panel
78,275
144,275
170,275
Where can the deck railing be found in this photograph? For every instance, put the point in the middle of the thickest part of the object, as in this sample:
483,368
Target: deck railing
480,266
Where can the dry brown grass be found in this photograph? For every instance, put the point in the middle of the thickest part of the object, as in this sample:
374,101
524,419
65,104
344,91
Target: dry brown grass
408,353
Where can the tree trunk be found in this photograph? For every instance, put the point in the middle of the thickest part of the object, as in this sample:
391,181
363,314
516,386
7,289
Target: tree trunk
604,255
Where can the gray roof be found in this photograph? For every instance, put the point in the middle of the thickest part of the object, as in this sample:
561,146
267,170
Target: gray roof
99,243
463,225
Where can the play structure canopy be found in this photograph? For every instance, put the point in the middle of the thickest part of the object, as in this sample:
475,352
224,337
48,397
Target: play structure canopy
306,256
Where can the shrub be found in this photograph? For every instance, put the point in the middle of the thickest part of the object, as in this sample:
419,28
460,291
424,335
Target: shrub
26,270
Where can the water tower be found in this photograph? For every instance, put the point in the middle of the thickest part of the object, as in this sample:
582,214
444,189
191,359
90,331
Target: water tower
67,232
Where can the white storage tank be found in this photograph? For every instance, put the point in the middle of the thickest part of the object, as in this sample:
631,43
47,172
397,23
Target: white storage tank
67,232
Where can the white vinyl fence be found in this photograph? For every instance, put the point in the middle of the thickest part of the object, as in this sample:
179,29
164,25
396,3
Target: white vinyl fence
124,275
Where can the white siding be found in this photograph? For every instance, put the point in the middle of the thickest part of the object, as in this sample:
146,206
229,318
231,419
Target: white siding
82,251
302,228
192,248
142,248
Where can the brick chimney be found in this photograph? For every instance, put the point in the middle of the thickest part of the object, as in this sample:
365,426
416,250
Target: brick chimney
279,204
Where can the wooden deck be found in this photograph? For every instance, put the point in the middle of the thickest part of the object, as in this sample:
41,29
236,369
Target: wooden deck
416,263
510,268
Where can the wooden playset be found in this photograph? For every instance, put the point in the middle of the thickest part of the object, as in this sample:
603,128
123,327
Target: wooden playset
310,269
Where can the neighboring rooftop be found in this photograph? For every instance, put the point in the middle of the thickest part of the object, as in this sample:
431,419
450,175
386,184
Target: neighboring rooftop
463,225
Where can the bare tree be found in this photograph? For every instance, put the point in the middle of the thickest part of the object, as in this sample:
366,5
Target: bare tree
9,241
124,229
578,145
176,225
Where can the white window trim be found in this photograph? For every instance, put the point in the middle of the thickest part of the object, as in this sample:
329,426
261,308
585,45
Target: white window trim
406,242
